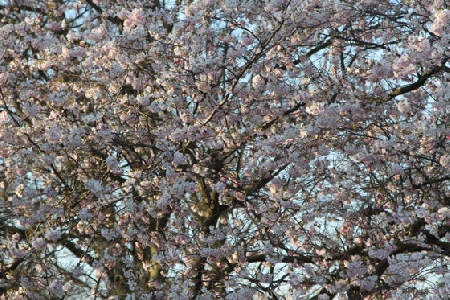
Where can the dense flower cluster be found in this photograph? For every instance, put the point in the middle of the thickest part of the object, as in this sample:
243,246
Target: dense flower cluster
224,149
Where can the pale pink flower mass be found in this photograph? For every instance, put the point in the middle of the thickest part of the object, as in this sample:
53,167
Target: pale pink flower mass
228,149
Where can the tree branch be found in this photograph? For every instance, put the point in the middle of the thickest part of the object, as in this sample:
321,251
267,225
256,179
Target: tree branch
415,85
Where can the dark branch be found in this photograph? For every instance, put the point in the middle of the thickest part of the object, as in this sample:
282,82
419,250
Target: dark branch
415,85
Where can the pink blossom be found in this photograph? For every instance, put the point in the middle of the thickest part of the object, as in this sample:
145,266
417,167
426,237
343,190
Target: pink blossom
53,235
440,22
403,67
39,244
224,149
258,82
444,160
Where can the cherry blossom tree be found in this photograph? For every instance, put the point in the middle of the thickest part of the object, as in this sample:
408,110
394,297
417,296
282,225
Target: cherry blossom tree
276,149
